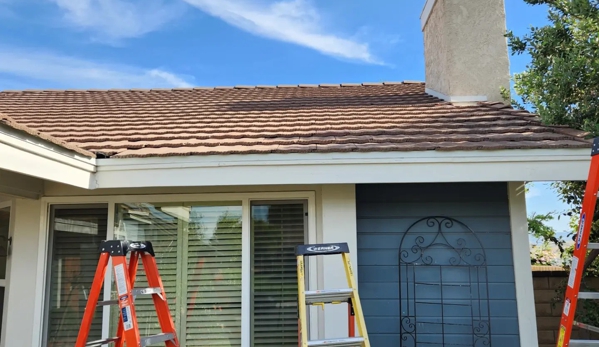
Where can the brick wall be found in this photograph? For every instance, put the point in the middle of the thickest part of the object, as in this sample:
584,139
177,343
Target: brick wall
548,315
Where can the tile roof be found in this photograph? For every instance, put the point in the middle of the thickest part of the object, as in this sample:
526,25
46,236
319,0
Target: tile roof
11,123
276,119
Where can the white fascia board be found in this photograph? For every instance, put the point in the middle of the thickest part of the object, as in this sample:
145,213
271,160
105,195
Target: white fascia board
426,12
346,168
31,156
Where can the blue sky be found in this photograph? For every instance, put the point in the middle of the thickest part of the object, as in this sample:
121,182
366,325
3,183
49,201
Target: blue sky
168,43
61,44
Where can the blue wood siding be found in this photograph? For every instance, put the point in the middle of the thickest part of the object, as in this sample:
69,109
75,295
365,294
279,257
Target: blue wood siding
386,211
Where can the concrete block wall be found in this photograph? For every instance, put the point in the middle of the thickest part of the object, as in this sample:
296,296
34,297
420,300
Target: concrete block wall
548,315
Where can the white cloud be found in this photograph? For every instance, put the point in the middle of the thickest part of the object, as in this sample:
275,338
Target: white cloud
118,19
42,69
293,21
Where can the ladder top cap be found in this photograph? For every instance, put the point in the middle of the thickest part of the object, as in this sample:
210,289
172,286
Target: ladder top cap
595,149
322,249
122,247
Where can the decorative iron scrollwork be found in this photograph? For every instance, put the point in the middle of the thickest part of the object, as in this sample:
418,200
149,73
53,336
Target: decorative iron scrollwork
438,238
443,285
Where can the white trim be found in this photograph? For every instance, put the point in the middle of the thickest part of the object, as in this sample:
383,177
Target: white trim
316,322
426,12
43,251
455,98
525,299
5,204
41,148
246,272
108,278
348,168
40,289
33,157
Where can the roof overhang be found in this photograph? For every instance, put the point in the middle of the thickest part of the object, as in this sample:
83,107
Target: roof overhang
338,168
30,156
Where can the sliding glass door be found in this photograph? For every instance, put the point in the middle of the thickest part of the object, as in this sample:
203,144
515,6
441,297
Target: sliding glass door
198,252
200,255
76,233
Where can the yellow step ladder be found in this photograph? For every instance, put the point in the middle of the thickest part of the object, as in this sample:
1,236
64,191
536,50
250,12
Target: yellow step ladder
330,296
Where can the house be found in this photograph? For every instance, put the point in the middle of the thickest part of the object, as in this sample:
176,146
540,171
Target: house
424,181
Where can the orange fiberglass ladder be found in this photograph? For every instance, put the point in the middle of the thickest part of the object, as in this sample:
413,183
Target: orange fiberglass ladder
581,246
128,330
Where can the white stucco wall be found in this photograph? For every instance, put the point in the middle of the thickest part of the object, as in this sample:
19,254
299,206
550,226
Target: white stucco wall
338,224
22,321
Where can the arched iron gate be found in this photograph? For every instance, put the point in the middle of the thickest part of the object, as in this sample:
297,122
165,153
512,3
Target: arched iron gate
444,289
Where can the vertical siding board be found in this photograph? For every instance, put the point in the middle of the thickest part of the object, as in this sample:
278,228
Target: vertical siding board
386,211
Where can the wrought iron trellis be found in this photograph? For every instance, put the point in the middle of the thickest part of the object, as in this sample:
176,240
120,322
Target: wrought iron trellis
444,289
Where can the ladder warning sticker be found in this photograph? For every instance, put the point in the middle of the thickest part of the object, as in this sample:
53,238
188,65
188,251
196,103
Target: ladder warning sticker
580,231
562,333
567,307
126,312
121,284
573,272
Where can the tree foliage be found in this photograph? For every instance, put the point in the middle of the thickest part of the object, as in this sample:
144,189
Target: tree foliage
538,228
561,85
561,82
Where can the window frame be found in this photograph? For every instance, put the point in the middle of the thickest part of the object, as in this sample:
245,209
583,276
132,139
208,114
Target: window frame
48,264
308,280
246,199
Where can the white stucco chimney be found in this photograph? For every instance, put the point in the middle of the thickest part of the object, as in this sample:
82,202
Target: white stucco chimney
465,49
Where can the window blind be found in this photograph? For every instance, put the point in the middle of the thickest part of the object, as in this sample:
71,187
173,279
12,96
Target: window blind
146,222
276,230
214,277
76,236
198,253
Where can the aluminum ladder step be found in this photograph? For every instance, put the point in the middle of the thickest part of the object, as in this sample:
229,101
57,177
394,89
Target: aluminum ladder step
328,296
107,302
586,326
135,292
101,342
145,291
584,343
154,339
588,295
593,246
345,342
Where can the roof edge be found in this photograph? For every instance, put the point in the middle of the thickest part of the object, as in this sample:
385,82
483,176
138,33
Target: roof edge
345,168
321,85
11,123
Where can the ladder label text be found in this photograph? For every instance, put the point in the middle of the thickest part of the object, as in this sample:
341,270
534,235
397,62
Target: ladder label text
573,272
580,231
121,284
126,312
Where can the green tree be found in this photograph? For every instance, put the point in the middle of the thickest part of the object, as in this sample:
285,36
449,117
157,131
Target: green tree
561,82
561,85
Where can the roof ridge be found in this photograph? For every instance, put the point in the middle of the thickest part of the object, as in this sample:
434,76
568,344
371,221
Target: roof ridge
12,123
321,85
